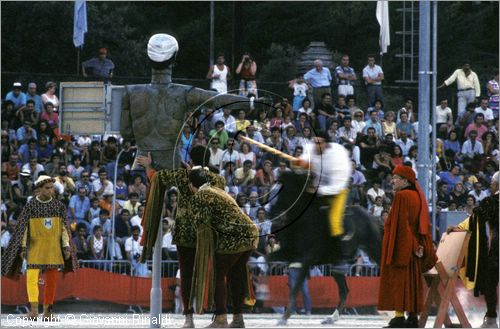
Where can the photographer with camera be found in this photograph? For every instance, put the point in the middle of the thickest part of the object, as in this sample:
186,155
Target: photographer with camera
133,249
247,69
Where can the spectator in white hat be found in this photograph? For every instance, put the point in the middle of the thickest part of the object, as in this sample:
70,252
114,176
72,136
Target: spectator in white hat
17,97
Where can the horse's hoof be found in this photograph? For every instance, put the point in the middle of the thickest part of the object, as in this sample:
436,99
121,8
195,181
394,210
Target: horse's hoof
328,320
282,322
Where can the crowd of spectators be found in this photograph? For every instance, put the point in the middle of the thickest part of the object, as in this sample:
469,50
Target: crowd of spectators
378,138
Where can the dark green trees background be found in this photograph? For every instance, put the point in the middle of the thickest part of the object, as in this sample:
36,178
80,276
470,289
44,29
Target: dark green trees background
37,36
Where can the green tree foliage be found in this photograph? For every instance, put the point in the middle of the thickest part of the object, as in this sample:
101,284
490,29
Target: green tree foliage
282,63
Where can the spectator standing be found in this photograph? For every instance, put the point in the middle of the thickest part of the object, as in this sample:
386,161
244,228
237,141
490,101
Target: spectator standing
468,88
345,77
300,88
219,74
50,95
373,76
247,70
319,78
493,93
100,68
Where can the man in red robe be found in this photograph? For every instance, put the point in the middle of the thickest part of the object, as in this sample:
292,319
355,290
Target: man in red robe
407,234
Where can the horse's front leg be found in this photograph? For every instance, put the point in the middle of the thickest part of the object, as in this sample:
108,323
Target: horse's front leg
343,293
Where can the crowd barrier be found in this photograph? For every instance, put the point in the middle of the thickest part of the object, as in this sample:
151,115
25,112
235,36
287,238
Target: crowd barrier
114,281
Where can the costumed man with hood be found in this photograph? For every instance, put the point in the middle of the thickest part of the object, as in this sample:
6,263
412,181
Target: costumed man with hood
184,234
226,237
407,251
481,270
42,236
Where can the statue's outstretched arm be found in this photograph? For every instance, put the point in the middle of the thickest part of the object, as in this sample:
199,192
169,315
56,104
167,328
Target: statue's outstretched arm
197,97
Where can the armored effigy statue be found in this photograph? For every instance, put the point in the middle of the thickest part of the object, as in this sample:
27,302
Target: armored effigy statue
153,114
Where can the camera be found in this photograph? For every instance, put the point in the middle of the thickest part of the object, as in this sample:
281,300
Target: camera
137,257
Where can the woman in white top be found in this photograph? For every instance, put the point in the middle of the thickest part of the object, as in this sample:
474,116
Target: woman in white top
358,124
246,153
50,95
306,107
444,119
219,74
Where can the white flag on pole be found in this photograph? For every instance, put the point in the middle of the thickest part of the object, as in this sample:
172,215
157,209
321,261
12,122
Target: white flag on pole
79,23
383,20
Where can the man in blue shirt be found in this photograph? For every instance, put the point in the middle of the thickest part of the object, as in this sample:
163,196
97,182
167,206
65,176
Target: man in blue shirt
319,79
17,97
79,206
100,68
32,95
26,132
374,123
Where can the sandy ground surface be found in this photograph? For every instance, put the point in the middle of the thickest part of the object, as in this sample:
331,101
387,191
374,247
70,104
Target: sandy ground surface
124,320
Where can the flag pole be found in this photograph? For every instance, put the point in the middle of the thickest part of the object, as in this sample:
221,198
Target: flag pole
78,61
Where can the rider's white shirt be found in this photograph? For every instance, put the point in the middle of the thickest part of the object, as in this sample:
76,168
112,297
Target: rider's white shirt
332,168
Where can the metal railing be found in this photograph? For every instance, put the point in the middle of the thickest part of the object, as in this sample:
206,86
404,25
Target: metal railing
169,268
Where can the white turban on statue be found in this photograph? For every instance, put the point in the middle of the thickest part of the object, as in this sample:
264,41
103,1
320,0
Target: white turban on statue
162,47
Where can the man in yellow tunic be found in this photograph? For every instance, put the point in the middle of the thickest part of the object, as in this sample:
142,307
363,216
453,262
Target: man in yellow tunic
226,237
42,236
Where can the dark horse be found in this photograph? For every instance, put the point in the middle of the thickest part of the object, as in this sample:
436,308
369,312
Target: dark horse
301,225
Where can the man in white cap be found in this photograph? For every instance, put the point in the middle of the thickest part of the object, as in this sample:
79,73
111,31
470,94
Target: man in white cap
153,114
42,236
17,97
